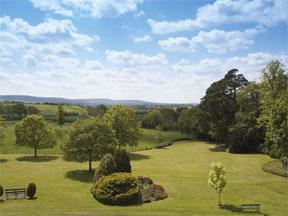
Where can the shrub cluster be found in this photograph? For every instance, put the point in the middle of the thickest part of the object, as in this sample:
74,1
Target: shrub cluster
117,189
109,164
106,167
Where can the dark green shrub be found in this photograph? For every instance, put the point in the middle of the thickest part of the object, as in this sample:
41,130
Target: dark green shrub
106,167
122,161
1,190
31,190
117,189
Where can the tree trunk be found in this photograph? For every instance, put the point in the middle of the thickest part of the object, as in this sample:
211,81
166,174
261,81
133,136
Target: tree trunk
90,162
219,201
35,152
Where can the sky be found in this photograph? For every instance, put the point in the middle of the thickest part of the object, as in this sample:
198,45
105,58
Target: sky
154,50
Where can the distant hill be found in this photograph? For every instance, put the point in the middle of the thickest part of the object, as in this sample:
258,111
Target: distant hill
32,99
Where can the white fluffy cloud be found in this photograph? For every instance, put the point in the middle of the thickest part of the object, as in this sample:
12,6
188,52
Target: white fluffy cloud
93,8
142,39
134,59
216,41
263,12
57,38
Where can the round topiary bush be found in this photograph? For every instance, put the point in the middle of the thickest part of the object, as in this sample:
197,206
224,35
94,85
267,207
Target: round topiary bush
122,161
106,167
117,189
1,190
31,190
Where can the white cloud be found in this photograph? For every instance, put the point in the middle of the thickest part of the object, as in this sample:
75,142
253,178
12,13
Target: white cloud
139,14
44,42
142,39
134,59
93,8
216,41
30,60
184,81
263,12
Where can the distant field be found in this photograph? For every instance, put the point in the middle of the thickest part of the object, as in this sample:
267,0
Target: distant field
182,169
149,140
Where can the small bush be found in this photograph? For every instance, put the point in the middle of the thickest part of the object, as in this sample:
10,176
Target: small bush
106,167
117,189
1,190
122,161
31,190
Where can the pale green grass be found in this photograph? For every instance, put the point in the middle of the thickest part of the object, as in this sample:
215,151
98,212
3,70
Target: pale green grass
181,168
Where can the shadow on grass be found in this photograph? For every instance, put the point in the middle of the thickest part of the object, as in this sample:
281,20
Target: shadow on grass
42,158
219,148
80,175
236,209
3,160
136,156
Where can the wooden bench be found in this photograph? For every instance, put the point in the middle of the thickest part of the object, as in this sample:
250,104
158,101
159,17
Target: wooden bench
17,193
255,207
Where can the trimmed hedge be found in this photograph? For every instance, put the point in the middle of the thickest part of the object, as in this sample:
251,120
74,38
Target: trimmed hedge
275,167
117,189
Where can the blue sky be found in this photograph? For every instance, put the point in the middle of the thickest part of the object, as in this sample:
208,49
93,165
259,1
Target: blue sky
157,50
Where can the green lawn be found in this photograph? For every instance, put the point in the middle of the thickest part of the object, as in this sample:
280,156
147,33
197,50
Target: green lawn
181,168
149,140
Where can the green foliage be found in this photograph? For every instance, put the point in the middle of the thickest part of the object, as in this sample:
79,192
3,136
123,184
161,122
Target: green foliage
219,104
245,136
99,110
165,118
153,119
2,135
274,103
122,161
35,132
192,123
106,167
31,190
60,115
88,141
125,124
1,190
32,110
217,178
117,189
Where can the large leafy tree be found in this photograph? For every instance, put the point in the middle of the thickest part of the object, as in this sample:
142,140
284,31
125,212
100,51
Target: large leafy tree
88,141
153,119
274,103
245,135
35,132
219,104
125,124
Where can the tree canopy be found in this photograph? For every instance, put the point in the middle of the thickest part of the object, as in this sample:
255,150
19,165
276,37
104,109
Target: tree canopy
125,125
89,140
33,131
